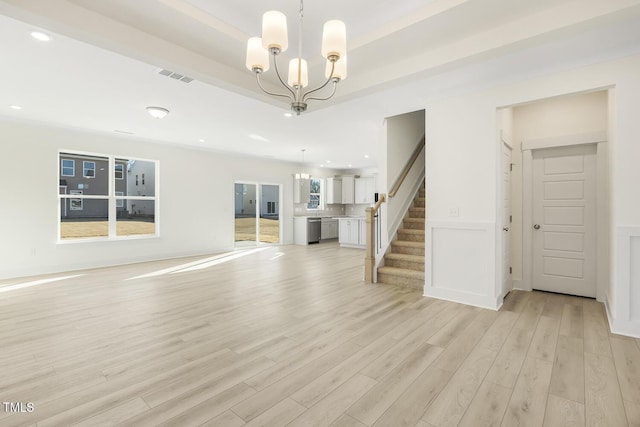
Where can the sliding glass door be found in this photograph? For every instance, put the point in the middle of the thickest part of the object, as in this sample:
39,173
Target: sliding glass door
257,213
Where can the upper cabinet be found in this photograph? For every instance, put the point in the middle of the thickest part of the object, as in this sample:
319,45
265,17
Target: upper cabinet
334,191
301,190
348,189
365,188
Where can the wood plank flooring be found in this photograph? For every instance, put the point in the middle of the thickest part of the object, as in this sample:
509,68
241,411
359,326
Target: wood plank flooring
291,335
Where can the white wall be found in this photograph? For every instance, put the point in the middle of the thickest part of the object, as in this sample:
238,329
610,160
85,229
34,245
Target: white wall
461,167
404,132
196,190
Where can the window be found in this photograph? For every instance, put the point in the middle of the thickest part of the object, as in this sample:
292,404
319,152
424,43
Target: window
136,180
75,204
119,201
109,206
314,194
119,171
142,179
68,167
271,207
89,169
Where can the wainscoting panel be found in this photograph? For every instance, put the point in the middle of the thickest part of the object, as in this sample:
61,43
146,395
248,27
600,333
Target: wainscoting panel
460,262
624,312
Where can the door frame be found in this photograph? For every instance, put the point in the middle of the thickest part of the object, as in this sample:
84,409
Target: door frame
602,202
501,292
258,204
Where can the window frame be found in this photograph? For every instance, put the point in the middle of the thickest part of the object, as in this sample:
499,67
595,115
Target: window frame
63,167
119,199
320,205
85,169
113,200
115,171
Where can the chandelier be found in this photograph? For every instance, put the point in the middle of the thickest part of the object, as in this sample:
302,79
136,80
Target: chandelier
274,41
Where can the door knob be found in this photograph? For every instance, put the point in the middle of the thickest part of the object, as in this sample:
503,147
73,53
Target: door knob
537,226
505,229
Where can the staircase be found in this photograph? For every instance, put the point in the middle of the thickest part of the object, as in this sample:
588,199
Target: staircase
404,263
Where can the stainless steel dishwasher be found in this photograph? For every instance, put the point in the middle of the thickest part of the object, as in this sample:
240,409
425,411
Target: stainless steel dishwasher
314,226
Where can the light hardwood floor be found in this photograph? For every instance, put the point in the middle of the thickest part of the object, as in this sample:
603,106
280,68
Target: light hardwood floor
292,336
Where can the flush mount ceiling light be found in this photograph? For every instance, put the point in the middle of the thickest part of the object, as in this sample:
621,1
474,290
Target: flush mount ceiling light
274,41
38,35
157,112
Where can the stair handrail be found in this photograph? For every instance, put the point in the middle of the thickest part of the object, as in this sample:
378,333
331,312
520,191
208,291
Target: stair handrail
407,167
370,254
372,216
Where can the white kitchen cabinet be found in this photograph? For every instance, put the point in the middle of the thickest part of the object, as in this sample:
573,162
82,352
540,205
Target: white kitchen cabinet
300,228
348,189
362,234
333,191
301,190
349,232
329,229
364,190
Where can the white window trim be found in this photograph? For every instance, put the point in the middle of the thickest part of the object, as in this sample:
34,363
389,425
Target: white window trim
112,200
119,200
62,167
320,198
115,171
84,168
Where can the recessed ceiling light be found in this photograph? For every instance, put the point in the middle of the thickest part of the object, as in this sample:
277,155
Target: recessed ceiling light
366,156
258,137
157,112
40,36
16,107
201,140
328,161
350,165
288,114
321,166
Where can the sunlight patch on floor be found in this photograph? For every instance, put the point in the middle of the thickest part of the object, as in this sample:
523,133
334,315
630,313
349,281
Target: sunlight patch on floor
36,283
199,264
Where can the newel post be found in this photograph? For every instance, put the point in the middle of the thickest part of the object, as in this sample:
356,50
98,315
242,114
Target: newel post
369,258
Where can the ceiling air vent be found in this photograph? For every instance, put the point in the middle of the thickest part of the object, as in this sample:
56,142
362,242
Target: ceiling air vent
175,76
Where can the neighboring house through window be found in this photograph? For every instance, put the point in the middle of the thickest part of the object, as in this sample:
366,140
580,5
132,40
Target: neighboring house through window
89,169
102,202
76,204
68,167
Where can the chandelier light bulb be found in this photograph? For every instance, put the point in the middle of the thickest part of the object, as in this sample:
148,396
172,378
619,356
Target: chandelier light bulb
257,56
274,31
293,73
334,39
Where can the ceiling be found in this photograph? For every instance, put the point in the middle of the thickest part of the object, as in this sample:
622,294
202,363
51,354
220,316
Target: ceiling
99,71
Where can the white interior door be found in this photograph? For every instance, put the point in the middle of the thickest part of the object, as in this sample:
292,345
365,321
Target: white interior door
564,218
506,218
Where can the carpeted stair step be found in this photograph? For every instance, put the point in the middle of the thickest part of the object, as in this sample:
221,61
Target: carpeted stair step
417,212
401,277
407,247
413,223
411,235
419,202
409,262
